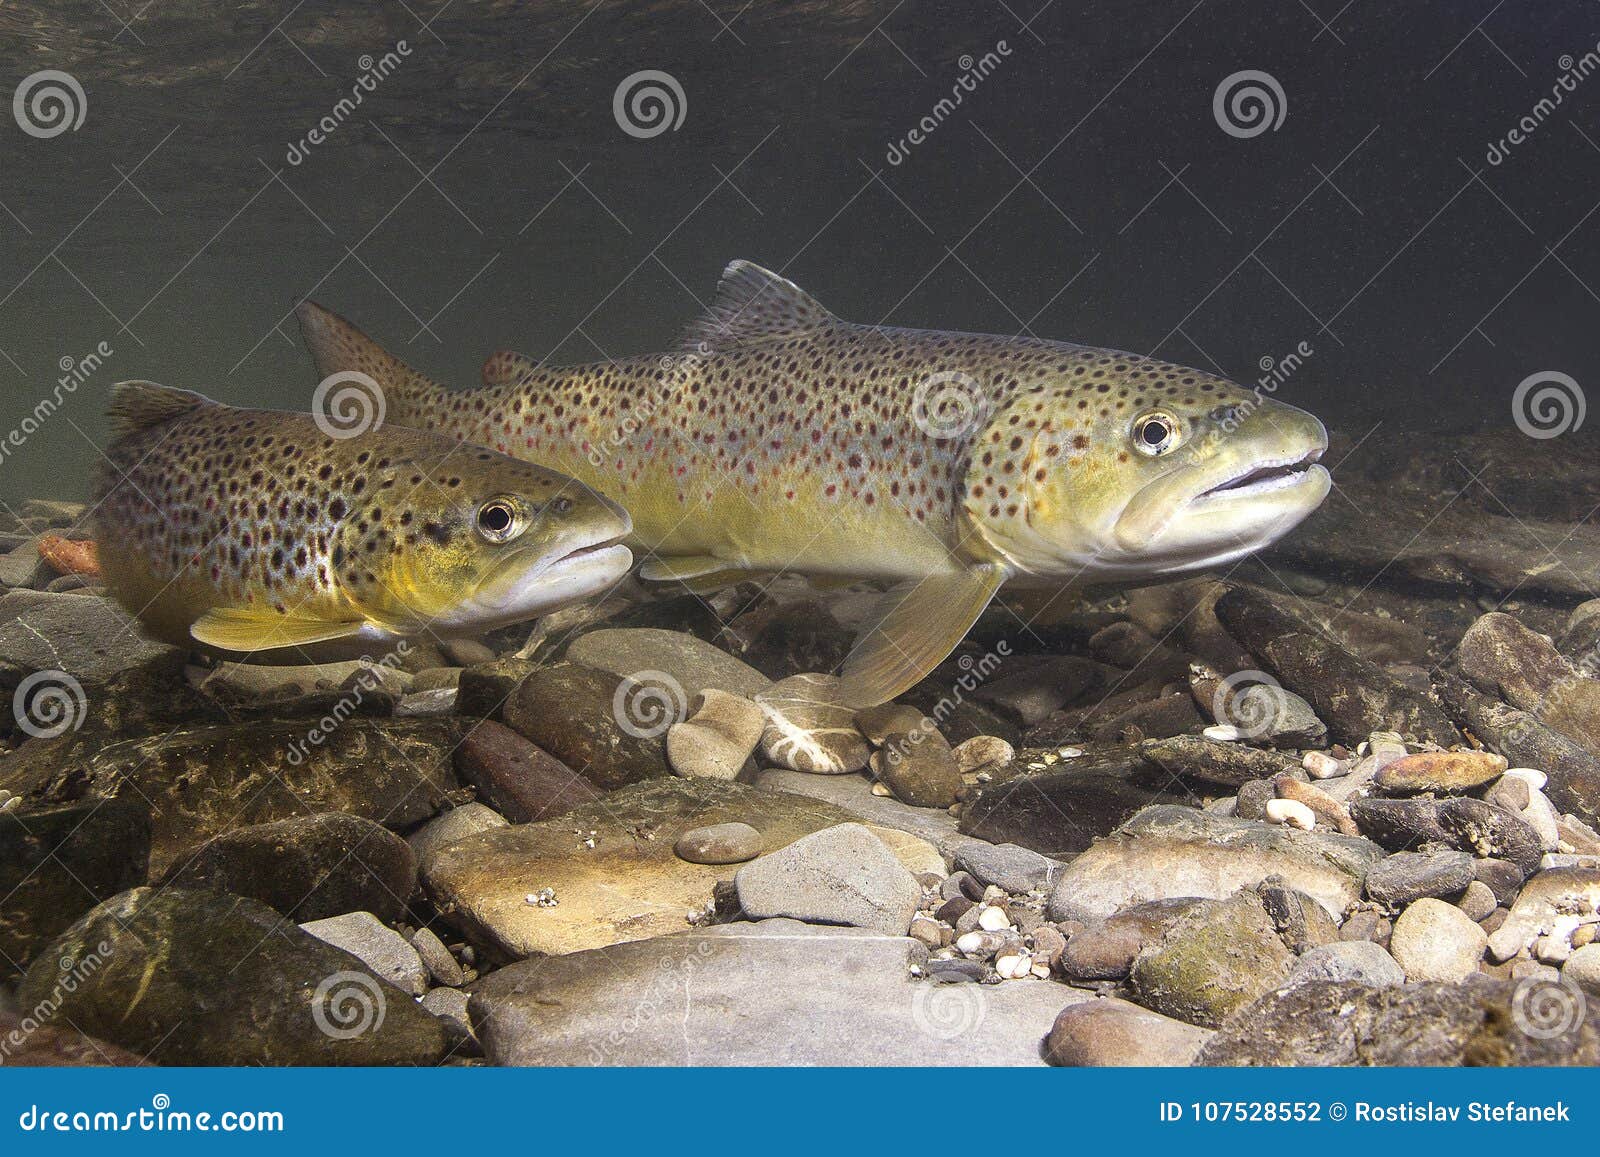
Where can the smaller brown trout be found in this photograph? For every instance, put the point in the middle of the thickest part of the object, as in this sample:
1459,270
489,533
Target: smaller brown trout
779,437
254,530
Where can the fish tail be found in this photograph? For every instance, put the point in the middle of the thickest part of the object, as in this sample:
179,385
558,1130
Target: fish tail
338,347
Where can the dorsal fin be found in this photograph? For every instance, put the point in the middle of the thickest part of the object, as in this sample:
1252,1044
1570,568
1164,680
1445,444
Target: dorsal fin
337,346
505,368
754,305
138,406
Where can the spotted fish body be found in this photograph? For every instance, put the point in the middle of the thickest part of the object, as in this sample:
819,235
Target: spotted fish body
252,530
781,438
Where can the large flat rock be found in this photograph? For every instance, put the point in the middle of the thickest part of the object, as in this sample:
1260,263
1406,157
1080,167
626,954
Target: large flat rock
772,993
629,885
1168,851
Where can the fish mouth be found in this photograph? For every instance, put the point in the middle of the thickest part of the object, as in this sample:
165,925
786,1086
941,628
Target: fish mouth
1263,478
516,593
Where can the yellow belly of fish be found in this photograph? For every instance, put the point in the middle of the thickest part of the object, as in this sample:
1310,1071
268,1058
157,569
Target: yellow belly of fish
165,609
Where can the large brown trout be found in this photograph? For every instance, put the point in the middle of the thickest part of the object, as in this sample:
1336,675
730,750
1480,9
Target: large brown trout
253,530
780,438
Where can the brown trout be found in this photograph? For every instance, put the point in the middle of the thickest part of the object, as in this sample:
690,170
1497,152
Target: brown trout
780,438
254,530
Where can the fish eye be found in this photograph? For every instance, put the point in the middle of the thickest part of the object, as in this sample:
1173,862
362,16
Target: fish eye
1155,433
498,520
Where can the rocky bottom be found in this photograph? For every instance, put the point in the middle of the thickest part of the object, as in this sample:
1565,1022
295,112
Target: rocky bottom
1283,819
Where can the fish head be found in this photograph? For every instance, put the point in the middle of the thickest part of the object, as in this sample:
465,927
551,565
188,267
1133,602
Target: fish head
1144,469
474,540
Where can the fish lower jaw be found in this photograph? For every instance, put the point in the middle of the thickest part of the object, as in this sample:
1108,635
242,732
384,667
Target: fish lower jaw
585,572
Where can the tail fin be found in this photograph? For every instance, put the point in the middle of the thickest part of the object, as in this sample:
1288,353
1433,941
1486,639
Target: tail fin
338,347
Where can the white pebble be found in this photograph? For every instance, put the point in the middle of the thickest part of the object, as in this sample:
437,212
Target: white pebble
880,789
1532,776
1013,967
1070,752
971,942
1225,732
1291,812
1320,765
1041,970
993,919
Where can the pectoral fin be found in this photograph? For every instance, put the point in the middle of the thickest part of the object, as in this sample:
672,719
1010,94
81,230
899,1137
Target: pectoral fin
924,623
242,629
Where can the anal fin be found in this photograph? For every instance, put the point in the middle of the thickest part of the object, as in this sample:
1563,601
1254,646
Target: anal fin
246,630
924,623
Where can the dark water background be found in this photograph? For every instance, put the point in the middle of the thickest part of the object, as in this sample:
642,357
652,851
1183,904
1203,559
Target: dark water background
484,195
